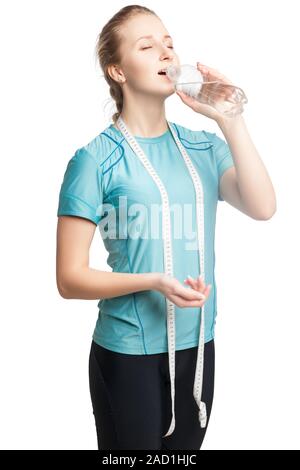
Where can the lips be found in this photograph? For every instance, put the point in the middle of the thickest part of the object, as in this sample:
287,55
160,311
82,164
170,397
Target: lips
162,71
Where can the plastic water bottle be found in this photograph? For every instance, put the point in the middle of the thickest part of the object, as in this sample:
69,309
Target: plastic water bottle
225,98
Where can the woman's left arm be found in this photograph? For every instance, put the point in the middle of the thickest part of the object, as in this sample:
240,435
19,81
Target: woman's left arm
249,174
246,185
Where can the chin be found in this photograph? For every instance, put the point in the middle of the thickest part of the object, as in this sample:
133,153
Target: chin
162,92
165,92
169,93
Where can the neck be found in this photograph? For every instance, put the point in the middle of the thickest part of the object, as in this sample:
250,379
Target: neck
145,117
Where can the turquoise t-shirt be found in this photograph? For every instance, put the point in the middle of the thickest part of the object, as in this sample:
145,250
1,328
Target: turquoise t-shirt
106,183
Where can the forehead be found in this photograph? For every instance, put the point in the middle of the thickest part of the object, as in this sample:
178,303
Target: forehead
142,25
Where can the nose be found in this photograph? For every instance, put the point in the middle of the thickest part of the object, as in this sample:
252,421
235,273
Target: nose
167,52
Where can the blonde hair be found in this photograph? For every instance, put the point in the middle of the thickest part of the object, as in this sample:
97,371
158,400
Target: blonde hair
108,50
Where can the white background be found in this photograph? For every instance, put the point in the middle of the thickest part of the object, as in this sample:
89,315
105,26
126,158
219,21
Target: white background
52,102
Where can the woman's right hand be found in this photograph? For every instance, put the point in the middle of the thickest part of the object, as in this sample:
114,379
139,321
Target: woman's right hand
180,295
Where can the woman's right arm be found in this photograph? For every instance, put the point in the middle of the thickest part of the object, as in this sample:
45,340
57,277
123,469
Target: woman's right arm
76,280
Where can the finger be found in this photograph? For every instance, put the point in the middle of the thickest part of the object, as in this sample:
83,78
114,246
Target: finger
200,279
190,283
201,282
181,94
185,98
188,294
212,73
181,302
189,278
203,288
203,69
207,290
197,284
206,68
193,282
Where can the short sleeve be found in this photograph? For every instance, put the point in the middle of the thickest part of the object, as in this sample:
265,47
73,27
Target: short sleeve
81,190
223,157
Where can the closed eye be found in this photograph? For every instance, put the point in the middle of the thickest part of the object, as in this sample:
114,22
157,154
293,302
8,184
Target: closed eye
170,47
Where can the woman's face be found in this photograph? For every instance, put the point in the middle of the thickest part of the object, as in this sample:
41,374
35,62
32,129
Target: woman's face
142,58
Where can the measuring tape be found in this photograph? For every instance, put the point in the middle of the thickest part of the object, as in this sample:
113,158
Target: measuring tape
168,265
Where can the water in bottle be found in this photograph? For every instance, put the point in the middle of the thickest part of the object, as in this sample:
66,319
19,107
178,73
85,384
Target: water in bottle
225,98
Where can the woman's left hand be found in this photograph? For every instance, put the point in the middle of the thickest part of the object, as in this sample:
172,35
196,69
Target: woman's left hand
199,285
209,74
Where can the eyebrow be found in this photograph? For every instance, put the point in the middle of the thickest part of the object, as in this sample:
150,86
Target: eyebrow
150,36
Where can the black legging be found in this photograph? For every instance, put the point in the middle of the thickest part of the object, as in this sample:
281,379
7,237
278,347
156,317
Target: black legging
131,398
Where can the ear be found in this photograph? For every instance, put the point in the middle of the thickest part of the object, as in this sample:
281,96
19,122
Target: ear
116,73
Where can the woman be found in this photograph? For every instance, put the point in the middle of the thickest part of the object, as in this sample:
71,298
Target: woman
144,164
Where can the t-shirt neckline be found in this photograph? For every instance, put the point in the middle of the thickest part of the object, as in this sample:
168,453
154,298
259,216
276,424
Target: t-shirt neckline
148,140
